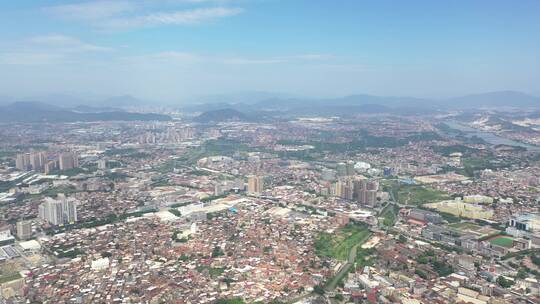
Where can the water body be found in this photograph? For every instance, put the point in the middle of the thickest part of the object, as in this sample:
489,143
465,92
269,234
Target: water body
489,137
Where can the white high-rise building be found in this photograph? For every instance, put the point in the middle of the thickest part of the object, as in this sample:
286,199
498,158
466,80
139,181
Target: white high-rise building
5,235
24,230
102,164
58,211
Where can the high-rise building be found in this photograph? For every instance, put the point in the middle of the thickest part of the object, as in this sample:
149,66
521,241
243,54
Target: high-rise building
68,160
38,160
58,211
22,162
31,161
344,189
70,211
24,230
50,166
255,184
102,164
370,197
5,235
366,191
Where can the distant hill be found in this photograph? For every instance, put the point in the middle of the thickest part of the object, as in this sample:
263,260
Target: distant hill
123,101
221,115
90,109
71,101
365,104
41,112
507,99
246,97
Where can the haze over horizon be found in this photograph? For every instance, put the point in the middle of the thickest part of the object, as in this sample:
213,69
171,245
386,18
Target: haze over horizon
171,51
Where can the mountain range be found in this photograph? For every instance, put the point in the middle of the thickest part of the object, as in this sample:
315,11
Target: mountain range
267,101
70,101
41,112
379,104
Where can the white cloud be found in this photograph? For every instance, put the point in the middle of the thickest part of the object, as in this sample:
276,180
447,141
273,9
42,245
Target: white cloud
166,58
183,17
242,61
187,58
126,15
275,60
66,43
91,10
49,49
30,58
314,56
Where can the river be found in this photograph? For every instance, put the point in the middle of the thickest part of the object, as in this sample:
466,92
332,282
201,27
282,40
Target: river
489,137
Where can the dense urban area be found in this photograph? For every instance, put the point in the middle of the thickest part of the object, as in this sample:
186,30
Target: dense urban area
366,208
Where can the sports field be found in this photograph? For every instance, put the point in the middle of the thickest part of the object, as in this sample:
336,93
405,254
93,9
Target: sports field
502,241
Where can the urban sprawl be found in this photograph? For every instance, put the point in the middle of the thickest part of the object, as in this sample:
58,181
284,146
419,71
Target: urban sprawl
363,209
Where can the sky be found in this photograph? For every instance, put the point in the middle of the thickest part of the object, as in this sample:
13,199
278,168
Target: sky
173,50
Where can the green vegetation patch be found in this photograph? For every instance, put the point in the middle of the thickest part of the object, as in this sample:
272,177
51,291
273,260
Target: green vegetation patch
447,150
419,195
536,259
230,301
9,277
365,257
74,171
472,164
465,226
338,245
212,271
502,241
389,215
54,191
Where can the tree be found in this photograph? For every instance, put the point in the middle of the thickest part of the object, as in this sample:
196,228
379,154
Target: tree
522,274
535,259
318,289
175,212
421,274
230,301
504,282
217,252
422,259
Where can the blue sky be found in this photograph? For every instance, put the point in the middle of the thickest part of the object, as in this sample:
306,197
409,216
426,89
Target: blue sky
171,50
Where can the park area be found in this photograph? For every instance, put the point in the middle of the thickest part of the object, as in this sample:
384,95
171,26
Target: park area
412,194
338,245
419,195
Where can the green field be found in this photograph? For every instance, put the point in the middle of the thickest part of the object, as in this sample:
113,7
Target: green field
389,215
465,226
419,195
339,244
502,241
9,277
